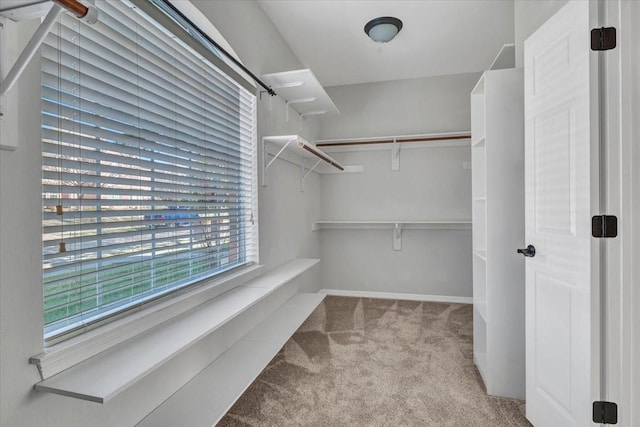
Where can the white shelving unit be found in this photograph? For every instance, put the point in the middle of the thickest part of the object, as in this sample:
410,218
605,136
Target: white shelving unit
497,156
397,226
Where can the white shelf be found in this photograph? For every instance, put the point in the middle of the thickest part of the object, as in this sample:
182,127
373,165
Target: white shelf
299,147
122,366
205,399
301,91
389,224
480,199
396,144
396,226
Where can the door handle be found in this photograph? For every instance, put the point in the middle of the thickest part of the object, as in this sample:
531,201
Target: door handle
529,251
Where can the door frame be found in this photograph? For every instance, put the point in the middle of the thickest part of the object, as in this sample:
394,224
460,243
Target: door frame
621,335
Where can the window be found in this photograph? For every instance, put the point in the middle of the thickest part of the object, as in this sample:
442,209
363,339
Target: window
148,165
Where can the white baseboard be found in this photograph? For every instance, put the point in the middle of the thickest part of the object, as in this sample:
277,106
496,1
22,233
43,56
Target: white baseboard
398,296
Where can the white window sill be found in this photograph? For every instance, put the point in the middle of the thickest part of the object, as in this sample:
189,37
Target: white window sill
123,365
73,351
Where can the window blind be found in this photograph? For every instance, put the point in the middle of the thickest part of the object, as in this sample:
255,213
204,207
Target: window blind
148,167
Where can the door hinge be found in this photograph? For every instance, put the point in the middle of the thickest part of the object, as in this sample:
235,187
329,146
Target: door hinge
603,38
605,413
604,226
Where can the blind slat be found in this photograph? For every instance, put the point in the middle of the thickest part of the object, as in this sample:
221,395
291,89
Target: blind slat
153,175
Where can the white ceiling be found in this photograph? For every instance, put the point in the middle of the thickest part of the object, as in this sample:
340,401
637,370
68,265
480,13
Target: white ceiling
439,37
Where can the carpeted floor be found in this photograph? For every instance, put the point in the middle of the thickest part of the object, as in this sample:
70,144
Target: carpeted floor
373,362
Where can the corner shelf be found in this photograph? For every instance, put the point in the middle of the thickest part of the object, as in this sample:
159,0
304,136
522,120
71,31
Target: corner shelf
301,91
299,147
396,226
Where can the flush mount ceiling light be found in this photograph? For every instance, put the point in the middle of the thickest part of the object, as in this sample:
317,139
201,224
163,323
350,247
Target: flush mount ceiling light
383,29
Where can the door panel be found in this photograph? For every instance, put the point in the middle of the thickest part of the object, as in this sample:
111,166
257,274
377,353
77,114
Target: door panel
554,202
553,339
560,196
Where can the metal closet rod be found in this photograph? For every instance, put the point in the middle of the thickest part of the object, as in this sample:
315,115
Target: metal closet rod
391,140
221,49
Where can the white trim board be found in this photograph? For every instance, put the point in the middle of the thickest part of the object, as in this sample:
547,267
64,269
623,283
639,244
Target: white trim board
398,296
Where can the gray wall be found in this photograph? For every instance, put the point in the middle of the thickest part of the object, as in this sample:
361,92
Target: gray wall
285,228
403,107
285,233
431,184
528,16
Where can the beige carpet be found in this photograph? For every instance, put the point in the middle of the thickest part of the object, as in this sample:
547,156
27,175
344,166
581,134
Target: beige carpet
373,362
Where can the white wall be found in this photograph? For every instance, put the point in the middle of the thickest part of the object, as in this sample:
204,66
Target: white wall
431,184
528,16
285,218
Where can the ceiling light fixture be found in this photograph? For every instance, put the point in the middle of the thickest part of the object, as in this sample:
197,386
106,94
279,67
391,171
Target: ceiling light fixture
383,29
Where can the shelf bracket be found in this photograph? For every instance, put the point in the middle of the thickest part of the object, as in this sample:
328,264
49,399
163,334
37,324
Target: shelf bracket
265,156
304,175
397,236
395,155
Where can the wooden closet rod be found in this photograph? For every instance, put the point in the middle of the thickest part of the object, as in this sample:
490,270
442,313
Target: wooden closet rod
388,141
74,7
321,156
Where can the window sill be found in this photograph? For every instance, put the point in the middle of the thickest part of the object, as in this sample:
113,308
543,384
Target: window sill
76,350
122,366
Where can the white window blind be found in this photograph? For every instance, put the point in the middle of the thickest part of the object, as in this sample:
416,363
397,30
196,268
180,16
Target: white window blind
148,153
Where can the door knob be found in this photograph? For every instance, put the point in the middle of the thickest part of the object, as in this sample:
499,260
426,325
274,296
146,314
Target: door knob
529,251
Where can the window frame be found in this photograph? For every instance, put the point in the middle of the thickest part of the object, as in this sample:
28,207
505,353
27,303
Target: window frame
211,286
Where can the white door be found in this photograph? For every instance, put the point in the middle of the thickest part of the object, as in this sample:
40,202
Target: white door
561,181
